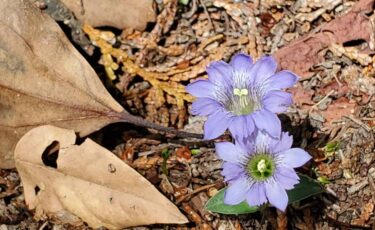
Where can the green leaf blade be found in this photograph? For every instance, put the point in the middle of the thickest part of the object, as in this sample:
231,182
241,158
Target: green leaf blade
216,204
306,188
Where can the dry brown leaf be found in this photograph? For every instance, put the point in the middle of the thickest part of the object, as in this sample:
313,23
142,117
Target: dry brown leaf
301,54
89,182
338,109
117,13
44,80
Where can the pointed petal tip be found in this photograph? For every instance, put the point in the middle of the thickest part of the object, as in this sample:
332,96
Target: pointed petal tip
241,62
220,73
295,157
200,88
277,196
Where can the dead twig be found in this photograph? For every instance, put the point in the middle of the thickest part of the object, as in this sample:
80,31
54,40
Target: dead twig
200,189
360,123
321,101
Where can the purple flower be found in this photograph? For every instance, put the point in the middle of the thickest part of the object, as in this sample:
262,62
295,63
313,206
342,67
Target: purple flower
261,169
242,96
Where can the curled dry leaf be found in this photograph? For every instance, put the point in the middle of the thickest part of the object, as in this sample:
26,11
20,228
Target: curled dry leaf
88,181
44,80
117,13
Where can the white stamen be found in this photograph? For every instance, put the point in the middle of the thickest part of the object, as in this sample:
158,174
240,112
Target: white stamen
240,92
261,166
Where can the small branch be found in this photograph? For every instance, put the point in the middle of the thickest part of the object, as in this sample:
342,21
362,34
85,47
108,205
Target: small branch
126,117
321,101
360,123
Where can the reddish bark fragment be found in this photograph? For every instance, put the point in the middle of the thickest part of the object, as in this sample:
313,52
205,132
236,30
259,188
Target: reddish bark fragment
303,53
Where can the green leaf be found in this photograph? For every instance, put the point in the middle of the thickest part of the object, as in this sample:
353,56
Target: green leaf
165,153
306,188
195,151
323,180
332,146
216,204
185,2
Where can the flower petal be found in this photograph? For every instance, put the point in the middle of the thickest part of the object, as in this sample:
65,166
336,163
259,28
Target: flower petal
204,106
246,145
276,195
201,88
229,152
286,177
216,125
281,80
231,171
287,171
284,143
241,62
263,69
277,101
294,157
241,127
256,195
267,122
220,73
236,192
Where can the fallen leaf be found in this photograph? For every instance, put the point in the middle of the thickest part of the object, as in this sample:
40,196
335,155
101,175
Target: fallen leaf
183,153
338,109
88,181
117,13
44,80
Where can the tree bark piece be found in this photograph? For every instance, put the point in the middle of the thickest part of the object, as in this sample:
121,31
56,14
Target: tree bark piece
300,55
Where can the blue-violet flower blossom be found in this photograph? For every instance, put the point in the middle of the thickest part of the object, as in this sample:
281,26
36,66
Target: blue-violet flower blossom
260,169
242,96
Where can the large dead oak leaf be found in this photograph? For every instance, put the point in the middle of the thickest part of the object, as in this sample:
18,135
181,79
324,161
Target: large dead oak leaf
88,181
117,13
44,80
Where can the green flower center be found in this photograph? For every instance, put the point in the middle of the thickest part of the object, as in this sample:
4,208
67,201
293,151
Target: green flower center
261,166
242,103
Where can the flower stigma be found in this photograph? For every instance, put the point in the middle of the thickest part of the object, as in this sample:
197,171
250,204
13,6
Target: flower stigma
242,102
260,167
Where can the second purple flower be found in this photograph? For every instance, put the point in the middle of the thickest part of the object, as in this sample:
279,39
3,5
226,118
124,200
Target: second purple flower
242,96
261,170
